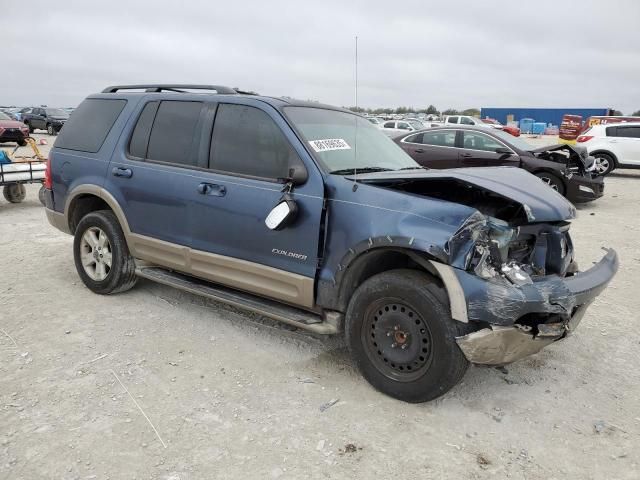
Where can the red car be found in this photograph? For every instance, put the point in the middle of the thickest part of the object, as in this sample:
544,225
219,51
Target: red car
12,130
515,131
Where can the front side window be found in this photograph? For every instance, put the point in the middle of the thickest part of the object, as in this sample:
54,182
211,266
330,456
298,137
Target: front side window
404,126
452,120
344,142
478,141
439,138
173,132
246,141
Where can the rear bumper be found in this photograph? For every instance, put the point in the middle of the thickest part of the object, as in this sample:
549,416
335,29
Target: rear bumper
557,303
56,219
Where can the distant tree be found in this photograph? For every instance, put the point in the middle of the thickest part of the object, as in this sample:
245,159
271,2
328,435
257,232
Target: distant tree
636,113
617,112
431,110
473,112
450,111
357,109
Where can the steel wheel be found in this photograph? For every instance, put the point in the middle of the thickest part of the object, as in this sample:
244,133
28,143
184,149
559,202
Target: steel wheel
397,340
95,254
50,129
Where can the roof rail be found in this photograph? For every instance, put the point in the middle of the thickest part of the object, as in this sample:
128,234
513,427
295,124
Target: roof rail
170,88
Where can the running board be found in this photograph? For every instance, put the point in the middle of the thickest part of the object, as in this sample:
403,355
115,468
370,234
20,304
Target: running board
269,308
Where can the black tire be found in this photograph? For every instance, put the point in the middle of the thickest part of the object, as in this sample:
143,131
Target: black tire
14,193
21,143
41,196
428,363
31,129
122,271
552,180
605,163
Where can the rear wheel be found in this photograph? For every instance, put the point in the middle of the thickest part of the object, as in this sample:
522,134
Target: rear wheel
30,127
552,180
101,254
604,163
14,193
402,337
51,130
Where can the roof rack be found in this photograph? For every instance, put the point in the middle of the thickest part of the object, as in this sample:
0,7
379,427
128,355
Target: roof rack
171,88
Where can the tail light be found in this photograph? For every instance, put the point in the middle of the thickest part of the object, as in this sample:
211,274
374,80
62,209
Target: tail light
48,184
584,138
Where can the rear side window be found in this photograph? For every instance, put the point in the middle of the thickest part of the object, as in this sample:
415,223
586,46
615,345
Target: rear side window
89,125
452,120
246,141
439,138
389,125
628,132
466,121
140,138
173,132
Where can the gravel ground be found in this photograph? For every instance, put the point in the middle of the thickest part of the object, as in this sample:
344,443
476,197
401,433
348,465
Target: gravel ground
84,377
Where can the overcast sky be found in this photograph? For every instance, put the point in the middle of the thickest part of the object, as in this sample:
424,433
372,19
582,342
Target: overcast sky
456,54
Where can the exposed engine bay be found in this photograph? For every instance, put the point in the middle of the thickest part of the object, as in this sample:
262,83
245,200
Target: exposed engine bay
575,157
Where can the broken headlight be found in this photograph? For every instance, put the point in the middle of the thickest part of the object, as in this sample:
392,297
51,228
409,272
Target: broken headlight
491,250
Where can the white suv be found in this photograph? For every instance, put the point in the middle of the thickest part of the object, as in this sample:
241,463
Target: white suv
613,146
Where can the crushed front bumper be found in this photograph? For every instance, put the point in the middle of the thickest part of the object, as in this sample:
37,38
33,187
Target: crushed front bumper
502,305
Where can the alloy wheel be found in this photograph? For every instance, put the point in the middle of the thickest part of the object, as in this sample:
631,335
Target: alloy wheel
96,254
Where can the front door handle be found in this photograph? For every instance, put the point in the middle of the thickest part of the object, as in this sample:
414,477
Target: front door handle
419,150
466,155
212,189
122,172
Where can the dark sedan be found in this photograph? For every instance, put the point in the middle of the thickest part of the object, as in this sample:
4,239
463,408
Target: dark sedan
567,169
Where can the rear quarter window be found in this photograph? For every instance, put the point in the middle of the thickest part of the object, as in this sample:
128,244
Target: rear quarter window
89,125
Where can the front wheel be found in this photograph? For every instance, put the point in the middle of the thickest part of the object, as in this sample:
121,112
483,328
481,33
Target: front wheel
101,254
552,180
51,130
31,129
21,143
604,163
14,192
402,337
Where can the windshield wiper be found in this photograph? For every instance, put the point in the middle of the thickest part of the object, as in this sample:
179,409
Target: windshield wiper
347,171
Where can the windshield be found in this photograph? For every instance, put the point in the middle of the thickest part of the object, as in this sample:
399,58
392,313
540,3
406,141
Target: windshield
4,116
515,141
344,141
56,112
491,121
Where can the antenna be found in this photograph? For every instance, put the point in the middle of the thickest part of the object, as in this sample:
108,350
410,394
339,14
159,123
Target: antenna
355,147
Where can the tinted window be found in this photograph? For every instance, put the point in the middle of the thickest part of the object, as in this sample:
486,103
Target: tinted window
439,138
90,124
404,126
629,132
466,121
390,125
611,131
246,141
173,132
140,138
478,141
414,138
452,120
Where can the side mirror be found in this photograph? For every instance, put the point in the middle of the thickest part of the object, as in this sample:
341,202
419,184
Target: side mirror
297,175
282,214
503,151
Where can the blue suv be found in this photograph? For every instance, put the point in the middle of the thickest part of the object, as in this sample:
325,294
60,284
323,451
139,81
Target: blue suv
308,214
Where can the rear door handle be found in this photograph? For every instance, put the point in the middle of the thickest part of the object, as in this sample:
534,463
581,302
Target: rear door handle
212,189
466,155
419,150
122,172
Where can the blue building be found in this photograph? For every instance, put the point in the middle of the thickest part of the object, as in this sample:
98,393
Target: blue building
546,115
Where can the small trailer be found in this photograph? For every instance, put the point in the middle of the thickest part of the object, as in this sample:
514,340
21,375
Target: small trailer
16,171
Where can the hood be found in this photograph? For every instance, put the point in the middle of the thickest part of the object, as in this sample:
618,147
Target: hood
12,124
508,193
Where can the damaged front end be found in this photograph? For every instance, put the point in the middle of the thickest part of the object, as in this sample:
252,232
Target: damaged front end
521,285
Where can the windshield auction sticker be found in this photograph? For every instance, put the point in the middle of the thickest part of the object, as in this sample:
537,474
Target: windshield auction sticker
329,144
